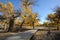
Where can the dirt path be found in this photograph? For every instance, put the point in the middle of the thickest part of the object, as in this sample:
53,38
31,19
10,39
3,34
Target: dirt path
21,36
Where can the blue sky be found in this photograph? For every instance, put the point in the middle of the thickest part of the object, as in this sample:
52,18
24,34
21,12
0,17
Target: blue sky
43,7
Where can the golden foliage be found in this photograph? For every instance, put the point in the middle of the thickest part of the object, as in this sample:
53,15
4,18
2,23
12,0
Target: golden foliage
10,6
7,9
28,15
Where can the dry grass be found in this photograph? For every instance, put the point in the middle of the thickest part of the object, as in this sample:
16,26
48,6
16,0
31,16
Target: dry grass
43,35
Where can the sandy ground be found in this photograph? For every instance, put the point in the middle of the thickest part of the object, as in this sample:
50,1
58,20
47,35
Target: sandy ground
3,35
17,36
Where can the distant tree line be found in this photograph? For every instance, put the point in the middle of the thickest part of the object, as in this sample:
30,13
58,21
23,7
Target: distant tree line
53,19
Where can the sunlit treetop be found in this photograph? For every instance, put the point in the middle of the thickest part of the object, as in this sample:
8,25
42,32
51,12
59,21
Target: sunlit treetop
10,6
7,9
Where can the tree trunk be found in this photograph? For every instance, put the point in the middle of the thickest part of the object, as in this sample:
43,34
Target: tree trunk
49,30
20,29
33,24
57,25
11,24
